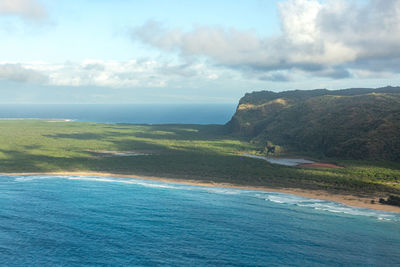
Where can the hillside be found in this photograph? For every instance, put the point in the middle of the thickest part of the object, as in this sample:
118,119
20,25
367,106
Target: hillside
353,123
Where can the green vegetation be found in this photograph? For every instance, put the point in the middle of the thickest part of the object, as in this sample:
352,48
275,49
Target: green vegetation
346,124
199,152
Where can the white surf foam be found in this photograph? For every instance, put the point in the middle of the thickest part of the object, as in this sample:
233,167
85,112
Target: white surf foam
95,178
330,206
220,190
279,198
24,178
122,180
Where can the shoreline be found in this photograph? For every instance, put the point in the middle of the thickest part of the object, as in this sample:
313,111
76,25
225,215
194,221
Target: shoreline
347,199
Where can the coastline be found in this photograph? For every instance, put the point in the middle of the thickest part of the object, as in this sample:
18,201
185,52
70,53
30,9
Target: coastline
347,199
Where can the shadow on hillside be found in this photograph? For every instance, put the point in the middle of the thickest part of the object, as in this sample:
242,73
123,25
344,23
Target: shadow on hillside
32,147
169,132
18,161
80,136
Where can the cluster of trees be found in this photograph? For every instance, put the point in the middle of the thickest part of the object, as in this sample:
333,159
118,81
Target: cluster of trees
391,200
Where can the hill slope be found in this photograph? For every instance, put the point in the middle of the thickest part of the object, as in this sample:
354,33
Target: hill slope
352,123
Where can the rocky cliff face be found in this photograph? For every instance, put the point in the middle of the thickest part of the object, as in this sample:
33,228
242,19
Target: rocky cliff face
351,123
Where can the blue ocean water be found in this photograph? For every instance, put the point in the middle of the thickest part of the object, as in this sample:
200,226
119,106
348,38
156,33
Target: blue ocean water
135,113
110,221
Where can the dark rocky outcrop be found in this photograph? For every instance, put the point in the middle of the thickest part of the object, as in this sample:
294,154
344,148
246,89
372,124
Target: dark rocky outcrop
391,200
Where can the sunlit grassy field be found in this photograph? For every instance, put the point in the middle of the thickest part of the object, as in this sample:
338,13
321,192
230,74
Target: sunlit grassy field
200,152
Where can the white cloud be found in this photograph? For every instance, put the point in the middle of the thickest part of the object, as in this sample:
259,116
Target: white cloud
327,39
366,74
19,73
116,74
298,19
27,9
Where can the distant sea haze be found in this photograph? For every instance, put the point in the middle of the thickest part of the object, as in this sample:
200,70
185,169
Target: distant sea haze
132,113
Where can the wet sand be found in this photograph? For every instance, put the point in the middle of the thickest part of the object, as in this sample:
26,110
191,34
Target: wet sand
350,200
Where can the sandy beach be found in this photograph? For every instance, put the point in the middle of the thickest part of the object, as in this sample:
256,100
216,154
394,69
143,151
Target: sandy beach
350,200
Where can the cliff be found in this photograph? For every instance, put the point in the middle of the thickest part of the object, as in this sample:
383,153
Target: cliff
355,123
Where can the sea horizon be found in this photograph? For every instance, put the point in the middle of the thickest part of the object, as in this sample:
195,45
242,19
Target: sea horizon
208,133
123,113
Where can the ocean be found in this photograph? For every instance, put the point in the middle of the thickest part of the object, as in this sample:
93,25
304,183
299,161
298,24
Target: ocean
109,221
135,113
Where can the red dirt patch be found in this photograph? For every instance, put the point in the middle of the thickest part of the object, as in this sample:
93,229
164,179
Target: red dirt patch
321,165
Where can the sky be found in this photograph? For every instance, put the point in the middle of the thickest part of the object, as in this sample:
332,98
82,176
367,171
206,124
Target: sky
175,51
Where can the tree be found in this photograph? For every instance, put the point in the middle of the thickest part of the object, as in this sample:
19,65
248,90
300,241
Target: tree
270,149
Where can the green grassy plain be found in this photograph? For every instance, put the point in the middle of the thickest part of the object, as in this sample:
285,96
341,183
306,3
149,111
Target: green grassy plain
198,152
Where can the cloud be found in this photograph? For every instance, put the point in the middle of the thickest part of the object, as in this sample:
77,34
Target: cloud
275,77
184,70
326,39
27,9
114,74
18,73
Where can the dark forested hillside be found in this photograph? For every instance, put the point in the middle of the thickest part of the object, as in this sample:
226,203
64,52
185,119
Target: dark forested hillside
352,123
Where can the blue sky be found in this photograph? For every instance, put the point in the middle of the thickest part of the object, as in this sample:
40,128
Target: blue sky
123,51
78,30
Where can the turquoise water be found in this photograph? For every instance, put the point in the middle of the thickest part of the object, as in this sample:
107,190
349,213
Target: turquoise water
87,220
135,113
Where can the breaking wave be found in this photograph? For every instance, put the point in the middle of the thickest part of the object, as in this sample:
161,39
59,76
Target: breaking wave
278,198
330,206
